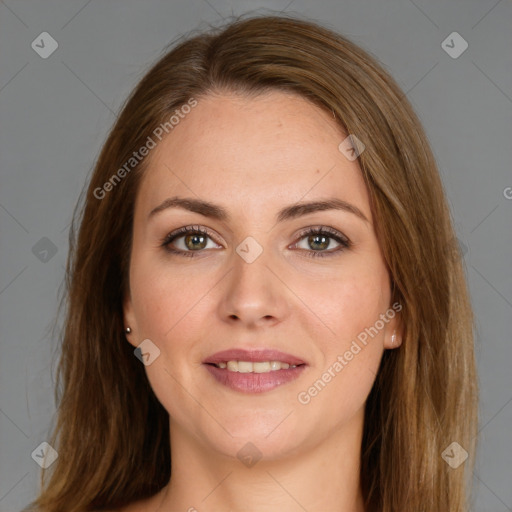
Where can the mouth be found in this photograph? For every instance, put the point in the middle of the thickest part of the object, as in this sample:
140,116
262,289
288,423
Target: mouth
254,371
254,367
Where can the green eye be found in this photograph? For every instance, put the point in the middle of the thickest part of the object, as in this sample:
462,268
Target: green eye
321,237
196,240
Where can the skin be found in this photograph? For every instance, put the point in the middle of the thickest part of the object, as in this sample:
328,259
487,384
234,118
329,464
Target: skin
254,156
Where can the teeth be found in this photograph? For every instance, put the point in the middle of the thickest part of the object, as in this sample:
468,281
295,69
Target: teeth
259,367
250,367
244,367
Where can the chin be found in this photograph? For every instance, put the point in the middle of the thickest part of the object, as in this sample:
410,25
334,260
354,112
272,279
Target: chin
258,446
271,435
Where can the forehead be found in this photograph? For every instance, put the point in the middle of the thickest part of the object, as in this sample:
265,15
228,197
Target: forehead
261,151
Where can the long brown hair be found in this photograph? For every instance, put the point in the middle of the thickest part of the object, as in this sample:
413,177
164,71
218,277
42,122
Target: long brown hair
112,433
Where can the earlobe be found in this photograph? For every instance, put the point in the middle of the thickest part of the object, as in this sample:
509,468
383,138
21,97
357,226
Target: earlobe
393,337
129,321
394,340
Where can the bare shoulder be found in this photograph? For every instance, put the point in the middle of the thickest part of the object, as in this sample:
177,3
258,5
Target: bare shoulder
132,507
126,508
144,505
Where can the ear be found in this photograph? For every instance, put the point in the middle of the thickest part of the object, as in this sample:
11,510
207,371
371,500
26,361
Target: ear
129,321
394,332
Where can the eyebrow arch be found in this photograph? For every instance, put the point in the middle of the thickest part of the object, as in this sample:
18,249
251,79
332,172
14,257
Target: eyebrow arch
288,213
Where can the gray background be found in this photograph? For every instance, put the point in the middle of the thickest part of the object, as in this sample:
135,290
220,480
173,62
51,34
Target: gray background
56,112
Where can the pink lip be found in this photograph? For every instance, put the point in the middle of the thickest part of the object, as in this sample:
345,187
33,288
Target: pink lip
254,382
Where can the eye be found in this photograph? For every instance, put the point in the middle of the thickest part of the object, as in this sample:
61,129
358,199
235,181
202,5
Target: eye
318,239
195,238
188,240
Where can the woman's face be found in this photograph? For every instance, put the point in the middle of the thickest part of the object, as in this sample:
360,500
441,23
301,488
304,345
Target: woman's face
254,280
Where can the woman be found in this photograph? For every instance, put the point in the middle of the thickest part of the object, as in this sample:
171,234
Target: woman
265,308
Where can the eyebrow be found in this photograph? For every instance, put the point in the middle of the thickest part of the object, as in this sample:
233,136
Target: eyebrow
288,213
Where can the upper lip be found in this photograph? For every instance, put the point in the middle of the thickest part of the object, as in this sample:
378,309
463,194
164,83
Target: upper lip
256,355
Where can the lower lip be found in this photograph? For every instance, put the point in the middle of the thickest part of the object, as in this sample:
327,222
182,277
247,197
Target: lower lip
254,382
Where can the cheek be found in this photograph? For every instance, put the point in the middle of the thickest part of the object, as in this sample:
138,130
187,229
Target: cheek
168,309
350,305
346,302
162,297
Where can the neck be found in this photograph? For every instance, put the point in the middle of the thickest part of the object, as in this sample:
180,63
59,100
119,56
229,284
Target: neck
322,477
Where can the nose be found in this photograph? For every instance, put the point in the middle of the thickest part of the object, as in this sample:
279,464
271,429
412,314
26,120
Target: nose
253,294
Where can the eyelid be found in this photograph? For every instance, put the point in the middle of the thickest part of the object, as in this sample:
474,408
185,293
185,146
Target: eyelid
324,229
343,241
184,230
339,237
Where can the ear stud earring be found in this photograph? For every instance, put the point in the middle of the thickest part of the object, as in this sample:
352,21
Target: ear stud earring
128,330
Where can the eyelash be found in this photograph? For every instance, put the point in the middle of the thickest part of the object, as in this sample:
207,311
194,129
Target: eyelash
321,230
